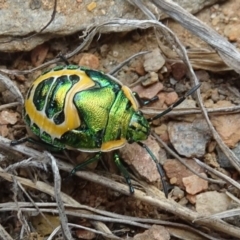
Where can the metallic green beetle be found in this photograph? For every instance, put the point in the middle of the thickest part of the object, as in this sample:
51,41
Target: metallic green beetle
73,107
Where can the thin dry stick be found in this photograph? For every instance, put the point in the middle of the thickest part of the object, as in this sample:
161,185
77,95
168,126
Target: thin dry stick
156,198
77,211
108,235
57,190
122,219
8,83
218,174
226,50
207,34
4,234
9,105
33,203
184,111
4,143
21,217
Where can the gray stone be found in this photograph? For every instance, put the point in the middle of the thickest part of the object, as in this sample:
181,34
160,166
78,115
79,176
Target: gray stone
20,19
189,139
212,202
223,160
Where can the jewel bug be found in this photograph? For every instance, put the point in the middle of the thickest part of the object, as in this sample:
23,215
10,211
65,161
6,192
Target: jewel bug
74,107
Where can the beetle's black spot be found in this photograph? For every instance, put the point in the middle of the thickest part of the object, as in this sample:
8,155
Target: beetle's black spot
26,118
29,92
118,137
74,78
116,88
128,105
58,68
72,67
102,79
59,118
35,129
55,102
132,127
41,93
99,137
46,71
46,137
57,143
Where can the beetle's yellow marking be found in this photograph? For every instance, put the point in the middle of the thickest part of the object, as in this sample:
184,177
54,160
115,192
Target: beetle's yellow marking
112,145
128,93
72,120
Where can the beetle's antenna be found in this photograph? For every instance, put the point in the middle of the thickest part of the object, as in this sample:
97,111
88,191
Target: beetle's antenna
180,100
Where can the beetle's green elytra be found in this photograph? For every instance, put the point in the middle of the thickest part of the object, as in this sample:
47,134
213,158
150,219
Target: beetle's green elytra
84,109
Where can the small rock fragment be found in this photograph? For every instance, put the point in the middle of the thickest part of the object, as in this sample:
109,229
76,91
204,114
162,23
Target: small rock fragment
223,103
171,98
232,32
85,234
138,68
91,6
177,193
191,198
223,160
39,54
212,146
189,139
176,171
179,70
115,53
173,180
141,161
89,60
228,128
153,61
215,95
187,103
7,117
208,203
156,232
202,76
165,100
205,86
209,103
179,87
211,160
153,78
183,201
195,184
21,78
4,130
150,91
160,129
104,49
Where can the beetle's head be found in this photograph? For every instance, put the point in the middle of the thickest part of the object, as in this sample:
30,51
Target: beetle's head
138,128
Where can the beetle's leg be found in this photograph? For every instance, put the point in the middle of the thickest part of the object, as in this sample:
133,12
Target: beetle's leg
124,172
143,102
159,168
19,141
37,142
81,166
